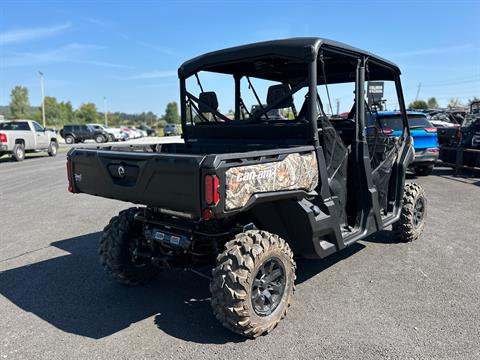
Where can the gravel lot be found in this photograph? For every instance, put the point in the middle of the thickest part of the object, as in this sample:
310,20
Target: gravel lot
377,299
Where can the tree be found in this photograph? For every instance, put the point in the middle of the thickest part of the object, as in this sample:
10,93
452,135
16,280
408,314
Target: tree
454,103
418,105
87,113
171,113
19,103
66,112
432,103
52,110
475,99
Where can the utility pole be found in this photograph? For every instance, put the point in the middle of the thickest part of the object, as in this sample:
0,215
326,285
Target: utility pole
418,91
42,86
338,106
105,110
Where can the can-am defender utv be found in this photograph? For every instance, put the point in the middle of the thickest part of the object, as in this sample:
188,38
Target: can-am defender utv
245,192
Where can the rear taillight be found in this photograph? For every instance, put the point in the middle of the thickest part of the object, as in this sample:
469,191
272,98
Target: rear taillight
69,175
3,138
387,131
212,197
433,150
430,129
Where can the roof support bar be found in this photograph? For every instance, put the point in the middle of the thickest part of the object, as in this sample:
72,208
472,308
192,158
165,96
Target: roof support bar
360,101
312,106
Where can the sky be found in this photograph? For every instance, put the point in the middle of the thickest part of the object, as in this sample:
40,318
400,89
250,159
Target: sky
129,51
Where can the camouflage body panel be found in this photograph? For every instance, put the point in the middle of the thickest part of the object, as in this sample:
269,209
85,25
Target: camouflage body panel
295,172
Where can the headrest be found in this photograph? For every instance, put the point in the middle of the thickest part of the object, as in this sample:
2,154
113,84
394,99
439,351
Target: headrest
209,98
278,92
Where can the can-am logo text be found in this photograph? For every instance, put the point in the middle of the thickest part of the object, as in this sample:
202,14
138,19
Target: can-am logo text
252,175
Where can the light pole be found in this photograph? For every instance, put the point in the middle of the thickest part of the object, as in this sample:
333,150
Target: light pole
42,86
105,110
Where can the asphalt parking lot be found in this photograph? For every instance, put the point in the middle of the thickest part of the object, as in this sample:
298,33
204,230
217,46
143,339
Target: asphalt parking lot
377,299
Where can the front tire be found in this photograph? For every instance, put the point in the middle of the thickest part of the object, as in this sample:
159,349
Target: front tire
19,152
253,283
100,139
414,212
117,251
69,140
53,148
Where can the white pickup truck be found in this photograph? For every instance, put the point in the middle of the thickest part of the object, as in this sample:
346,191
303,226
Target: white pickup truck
21,136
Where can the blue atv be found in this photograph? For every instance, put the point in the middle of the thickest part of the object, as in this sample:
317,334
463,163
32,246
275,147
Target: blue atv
425,139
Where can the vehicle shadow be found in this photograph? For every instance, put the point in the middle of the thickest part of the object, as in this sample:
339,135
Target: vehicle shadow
10,159
308,268
73,294
466,176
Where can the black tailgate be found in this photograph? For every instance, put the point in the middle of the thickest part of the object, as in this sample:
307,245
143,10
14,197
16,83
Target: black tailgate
169,181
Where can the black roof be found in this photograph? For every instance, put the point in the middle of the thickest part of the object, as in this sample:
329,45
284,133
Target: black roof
301,49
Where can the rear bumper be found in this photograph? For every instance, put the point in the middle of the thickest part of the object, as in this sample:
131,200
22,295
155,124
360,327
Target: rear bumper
422,157
3,147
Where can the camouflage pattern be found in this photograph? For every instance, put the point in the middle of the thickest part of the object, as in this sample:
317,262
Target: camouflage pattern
295,172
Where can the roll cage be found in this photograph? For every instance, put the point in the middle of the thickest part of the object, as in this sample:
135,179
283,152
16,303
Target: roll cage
296,63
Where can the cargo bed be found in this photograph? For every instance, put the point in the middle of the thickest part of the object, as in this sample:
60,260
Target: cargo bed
165,180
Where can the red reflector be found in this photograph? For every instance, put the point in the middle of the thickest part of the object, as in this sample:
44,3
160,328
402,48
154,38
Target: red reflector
216,195
3,138
209,189
212,197
433,150
387,131
208,214
69,175
430,129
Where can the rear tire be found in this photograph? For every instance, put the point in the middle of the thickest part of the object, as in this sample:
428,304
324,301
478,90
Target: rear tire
116,251
424,170
253,283
19,152
53,148
413,214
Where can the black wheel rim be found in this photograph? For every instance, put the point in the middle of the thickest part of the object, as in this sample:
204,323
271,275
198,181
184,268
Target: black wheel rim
268,287
418,212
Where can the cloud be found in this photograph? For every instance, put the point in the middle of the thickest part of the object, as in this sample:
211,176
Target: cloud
433,51
158,48
71,53
107,25
29,34
161,85
157,74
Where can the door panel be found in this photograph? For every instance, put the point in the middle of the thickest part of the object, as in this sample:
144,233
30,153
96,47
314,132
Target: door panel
41,137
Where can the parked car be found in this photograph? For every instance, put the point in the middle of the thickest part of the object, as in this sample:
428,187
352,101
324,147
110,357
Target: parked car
242,197
142,132
448,125
79,133
171,130
274,114
148,129
22,136
468,139
114,134
132,132
424,135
